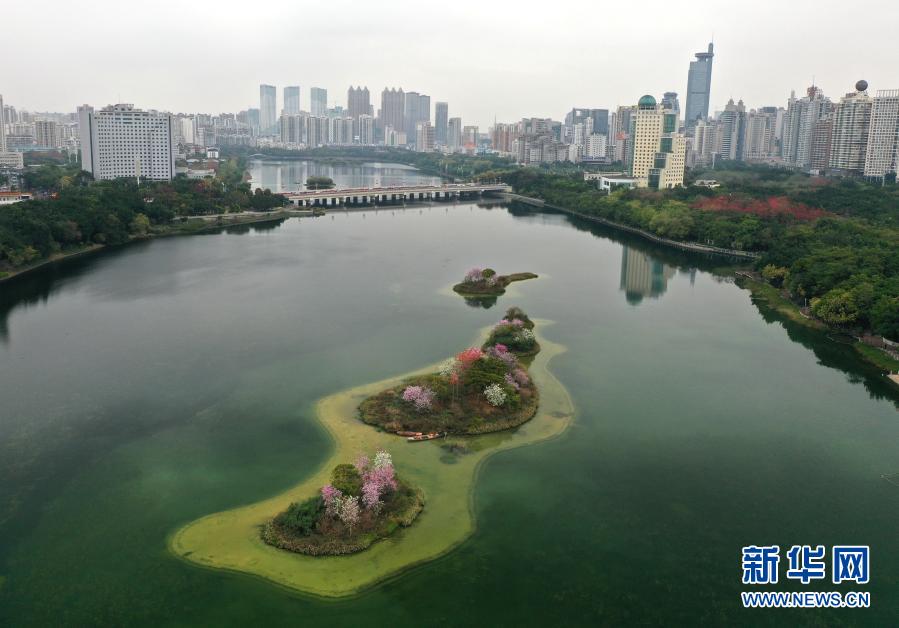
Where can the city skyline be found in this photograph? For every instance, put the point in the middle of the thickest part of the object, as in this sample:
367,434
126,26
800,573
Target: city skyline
519,83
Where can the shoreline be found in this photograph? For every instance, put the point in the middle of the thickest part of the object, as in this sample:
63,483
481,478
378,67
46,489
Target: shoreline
58,258
230,541
687,246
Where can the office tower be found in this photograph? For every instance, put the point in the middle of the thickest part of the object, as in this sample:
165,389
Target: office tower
2,126
393,109
822,135
441,113
731,129
670,101
45,135
699,86
801,117
598,117
292,99
658,155
358,102
425,136
851,122
318,99
268,108
121,141
366,130
454,134
883,136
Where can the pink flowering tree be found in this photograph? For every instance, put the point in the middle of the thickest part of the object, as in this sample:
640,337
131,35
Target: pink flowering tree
378,479
474,275
331,497
421,397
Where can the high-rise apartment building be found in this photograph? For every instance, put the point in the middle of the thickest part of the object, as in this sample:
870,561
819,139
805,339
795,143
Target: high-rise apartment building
598,117
292,100
883,136
358,102
731,130
760,142
318,99
268,108
621,138
417,109
441,116
424,137
393,109
851,123
2,126
45,135
801,117
699,87
366,130
503,137
657,159
470,137
454,134
121,141
819,156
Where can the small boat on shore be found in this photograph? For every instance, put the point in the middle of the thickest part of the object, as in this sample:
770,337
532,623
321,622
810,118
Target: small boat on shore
428,436
404,433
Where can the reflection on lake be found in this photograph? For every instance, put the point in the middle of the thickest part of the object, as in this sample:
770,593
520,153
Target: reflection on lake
644,276
291,175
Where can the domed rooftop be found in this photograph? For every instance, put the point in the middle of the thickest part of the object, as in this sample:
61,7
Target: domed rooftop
646,102
861,86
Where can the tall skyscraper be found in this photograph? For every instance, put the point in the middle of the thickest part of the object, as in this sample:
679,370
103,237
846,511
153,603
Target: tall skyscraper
699,87
393,109
268,108
441,113
292,100
417,109
883,136
358,102
851,122
2,127
318,98
658,155
121,141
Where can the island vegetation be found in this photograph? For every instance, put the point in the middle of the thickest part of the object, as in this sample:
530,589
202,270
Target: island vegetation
76,213
481,389
484,282
319,183
364,502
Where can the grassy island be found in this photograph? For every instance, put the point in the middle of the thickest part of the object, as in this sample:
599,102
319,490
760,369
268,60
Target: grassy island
230,540
364,502
485,282
480,390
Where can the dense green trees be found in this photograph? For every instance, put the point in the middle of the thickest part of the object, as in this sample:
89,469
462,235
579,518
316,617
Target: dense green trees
81,212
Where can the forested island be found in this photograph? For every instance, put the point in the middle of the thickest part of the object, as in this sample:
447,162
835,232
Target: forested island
364,502
480,390
80,213
481,282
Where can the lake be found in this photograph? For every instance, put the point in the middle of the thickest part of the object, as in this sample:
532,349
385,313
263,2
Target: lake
156,383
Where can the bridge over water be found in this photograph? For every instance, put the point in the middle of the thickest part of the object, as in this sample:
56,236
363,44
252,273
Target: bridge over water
393,194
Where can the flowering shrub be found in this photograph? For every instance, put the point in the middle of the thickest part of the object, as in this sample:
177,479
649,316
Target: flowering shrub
469,356
521,377
502,352
382,459
496,395
421,397
510,381
474,275
525,337
349,511
332,498
448,367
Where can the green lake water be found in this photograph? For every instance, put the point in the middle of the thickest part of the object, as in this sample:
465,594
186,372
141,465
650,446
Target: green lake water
148,386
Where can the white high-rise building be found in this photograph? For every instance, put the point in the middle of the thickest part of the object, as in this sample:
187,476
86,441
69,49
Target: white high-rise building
851,122
292,99
268,108
883,135
658,157
454,134
366,130
2,127
45,135
425,137
318,98
597,146
121,141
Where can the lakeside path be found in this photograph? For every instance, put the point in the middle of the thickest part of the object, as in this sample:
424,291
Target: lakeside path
230,540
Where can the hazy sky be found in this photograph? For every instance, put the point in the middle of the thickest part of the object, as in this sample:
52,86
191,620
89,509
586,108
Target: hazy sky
502,59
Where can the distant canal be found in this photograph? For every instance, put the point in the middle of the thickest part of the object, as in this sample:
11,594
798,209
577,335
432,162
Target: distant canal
153,384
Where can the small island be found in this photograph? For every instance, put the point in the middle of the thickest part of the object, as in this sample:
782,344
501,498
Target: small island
484,282
482,389
363,503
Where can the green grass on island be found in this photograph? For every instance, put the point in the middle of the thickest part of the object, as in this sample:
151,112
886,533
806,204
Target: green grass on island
481,390
486,283
445,470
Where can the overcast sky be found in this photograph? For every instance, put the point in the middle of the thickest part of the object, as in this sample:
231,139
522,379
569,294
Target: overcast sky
486,58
